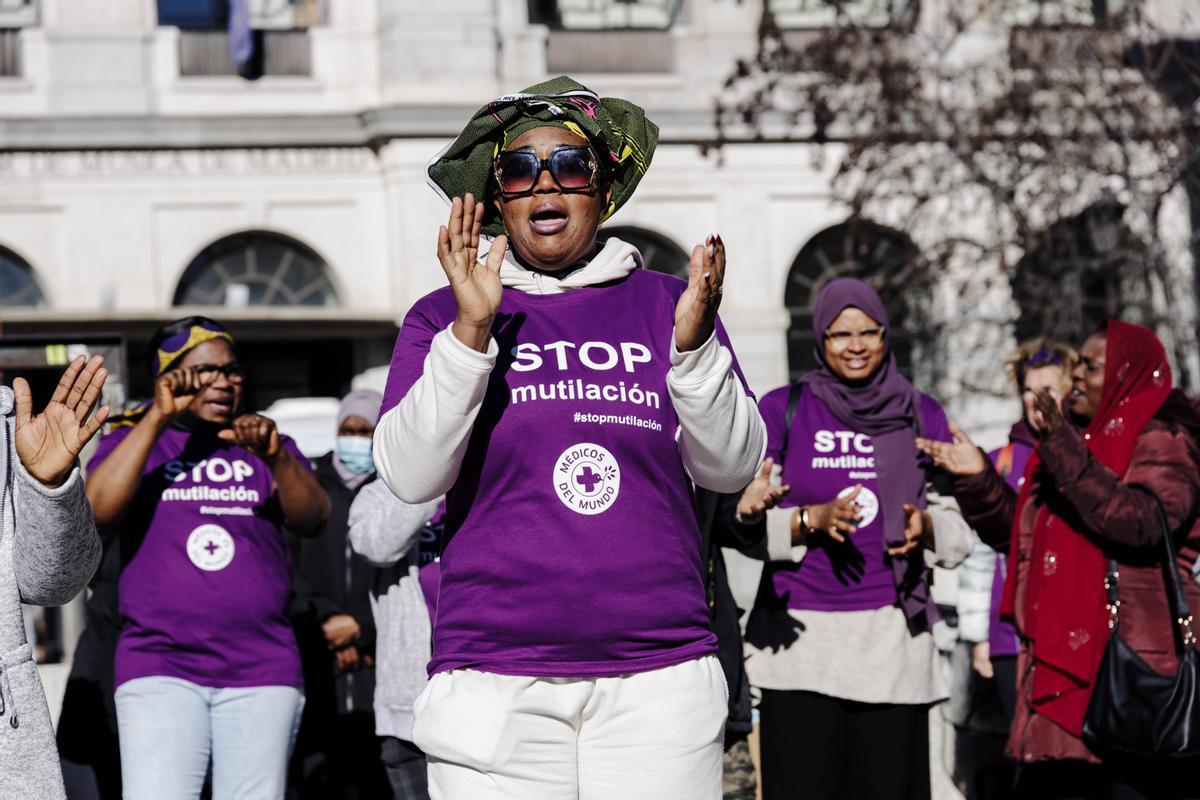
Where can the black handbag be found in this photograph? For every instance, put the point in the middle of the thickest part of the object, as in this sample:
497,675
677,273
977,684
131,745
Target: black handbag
1135,710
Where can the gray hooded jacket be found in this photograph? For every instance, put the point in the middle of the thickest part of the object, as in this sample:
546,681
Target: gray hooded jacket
386,531
49,550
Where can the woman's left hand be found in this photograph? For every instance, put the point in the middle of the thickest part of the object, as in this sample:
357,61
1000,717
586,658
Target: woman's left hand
918,531
257,434
696,312
48,444
1047,416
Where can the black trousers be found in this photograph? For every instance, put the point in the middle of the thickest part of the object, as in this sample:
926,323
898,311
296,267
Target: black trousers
816,747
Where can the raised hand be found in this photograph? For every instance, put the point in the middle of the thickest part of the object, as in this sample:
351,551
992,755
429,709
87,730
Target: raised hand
918,531
960,457
49,444
1047,416
760,494
837,517
257,434
696,311
476,286
177,390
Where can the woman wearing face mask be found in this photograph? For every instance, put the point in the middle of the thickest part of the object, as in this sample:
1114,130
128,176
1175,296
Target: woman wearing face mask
1124,426
840,639
565,399
206,664
337,753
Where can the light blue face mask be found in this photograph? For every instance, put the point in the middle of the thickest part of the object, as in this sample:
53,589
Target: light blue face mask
355,453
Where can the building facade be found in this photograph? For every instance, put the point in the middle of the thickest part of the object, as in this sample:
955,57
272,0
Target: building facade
144,177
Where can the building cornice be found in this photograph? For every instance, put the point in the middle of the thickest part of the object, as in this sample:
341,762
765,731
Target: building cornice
372,129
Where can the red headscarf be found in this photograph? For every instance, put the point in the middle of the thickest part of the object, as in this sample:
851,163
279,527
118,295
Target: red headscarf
1065,616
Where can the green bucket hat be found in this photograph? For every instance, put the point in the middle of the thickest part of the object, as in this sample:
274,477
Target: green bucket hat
619,131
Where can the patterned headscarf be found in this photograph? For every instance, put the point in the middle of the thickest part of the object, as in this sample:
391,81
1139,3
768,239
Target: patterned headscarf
618,130
177,346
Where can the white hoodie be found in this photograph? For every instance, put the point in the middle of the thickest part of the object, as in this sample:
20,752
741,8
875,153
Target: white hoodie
420,443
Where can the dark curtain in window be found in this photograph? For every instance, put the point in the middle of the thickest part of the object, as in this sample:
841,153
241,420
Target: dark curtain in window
194,14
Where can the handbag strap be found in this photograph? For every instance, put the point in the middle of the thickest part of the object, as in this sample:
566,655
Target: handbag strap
793,400
1176,599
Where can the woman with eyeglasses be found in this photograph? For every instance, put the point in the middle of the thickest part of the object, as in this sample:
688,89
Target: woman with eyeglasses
207,667
840,640
1123,443
565,399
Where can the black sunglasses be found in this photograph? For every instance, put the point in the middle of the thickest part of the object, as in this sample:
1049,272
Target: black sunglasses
573,169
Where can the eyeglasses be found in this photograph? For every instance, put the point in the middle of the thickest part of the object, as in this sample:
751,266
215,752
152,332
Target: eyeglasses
234,372
573,169
840,340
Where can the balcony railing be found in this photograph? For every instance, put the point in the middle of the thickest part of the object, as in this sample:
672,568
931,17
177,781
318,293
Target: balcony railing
605,14
1056,13
830,13
10,54
610,51
282,53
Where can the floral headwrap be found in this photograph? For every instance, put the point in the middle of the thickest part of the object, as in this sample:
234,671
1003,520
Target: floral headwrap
617,129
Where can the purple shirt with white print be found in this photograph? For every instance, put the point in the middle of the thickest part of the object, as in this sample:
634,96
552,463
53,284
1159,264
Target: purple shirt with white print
825,460
204,590
571,547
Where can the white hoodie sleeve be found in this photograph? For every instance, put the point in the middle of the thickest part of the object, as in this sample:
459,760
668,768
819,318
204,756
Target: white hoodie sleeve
722,437
420,443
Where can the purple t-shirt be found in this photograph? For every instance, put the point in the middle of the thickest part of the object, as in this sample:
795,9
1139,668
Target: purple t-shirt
429,570
571,545
1002,636
826,460
205,585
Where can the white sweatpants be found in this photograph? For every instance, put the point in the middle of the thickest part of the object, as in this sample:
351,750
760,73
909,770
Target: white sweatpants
650,736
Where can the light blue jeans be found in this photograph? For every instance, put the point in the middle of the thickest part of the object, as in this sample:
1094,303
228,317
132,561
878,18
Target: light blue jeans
169,729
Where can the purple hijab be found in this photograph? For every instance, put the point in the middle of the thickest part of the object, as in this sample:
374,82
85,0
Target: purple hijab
886,408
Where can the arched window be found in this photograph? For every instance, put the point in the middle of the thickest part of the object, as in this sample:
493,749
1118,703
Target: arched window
256,269
1083,271
658,252
18,286
859,249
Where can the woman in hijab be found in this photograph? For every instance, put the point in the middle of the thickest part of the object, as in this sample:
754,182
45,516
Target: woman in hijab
839,641
1077,508
206,663
565,399
337,752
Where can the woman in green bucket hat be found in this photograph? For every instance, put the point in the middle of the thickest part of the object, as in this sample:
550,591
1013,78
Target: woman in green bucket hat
567,402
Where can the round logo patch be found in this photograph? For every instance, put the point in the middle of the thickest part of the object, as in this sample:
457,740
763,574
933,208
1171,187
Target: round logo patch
587,479
210,547
867,502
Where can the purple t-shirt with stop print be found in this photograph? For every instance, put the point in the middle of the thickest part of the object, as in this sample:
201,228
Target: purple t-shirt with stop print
205,584
571,544
824,460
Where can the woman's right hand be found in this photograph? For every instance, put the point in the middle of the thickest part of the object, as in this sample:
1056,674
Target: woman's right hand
837,517
960,457
477,289
761,494
175,391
